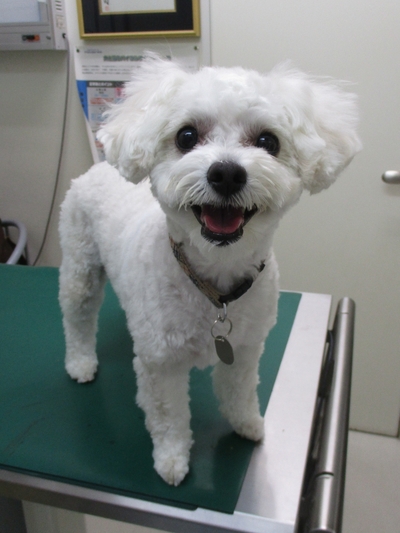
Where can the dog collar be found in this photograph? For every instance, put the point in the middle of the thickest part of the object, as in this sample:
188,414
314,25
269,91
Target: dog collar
218,299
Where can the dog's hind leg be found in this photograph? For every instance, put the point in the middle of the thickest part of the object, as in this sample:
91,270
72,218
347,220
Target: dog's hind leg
236,389
164,397
82,280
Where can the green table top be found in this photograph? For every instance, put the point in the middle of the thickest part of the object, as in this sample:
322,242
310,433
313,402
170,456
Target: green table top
93,435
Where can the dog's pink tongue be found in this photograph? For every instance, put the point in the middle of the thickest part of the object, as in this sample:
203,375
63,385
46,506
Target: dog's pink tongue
222,219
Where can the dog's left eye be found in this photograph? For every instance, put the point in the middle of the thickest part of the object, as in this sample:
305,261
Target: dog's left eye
269,142
187,138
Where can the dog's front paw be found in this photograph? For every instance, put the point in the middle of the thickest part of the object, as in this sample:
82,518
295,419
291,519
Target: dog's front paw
252,429
172,468
83,370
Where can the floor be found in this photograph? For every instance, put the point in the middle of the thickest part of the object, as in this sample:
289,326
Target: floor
372,499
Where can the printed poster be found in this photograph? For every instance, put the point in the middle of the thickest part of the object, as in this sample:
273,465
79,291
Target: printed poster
101,73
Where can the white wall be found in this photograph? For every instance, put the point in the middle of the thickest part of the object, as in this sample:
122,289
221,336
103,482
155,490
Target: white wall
32,86
343,241
31,109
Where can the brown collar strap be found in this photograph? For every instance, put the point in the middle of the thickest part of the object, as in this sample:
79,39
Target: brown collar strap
205,287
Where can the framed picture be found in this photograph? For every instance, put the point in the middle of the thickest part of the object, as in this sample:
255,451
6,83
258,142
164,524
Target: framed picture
112,19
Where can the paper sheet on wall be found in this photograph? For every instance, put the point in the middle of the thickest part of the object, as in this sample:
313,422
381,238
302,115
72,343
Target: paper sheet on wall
101,73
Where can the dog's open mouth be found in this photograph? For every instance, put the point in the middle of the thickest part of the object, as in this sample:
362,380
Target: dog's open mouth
222,225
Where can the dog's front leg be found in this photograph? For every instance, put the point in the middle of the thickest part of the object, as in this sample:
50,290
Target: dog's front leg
236,389
164,397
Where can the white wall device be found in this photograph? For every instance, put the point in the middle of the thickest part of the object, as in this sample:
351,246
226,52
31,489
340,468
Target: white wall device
32,25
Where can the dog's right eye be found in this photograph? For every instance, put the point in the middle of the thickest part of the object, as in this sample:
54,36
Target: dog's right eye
269,142
187,138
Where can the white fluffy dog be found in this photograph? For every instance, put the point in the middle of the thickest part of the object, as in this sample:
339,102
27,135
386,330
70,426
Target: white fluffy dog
189,250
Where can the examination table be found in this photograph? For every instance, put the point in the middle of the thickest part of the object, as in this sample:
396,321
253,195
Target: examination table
85,447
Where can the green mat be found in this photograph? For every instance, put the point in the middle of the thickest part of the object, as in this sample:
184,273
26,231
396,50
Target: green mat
93,435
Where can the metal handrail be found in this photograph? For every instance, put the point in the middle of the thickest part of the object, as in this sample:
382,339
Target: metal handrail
329,477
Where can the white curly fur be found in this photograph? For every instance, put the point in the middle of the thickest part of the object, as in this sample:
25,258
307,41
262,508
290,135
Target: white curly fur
111,227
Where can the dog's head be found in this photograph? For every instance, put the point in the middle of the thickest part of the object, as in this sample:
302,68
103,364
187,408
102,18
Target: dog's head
228,150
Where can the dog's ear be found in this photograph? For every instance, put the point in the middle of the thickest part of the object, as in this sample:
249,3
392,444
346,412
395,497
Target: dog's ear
323,118
130,135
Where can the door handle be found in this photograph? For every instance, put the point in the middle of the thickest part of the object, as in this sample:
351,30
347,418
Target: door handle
391,176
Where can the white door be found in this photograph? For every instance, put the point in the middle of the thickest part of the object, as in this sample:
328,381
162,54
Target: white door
345,241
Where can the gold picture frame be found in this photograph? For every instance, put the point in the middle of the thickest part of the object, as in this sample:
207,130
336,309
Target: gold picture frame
96,23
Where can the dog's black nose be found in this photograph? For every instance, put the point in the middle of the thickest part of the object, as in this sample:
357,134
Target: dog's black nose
226,177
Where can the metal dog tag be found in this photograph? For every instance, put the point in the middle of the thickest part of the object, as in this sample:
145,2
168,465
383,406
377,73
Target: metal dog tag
222,345
224,350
